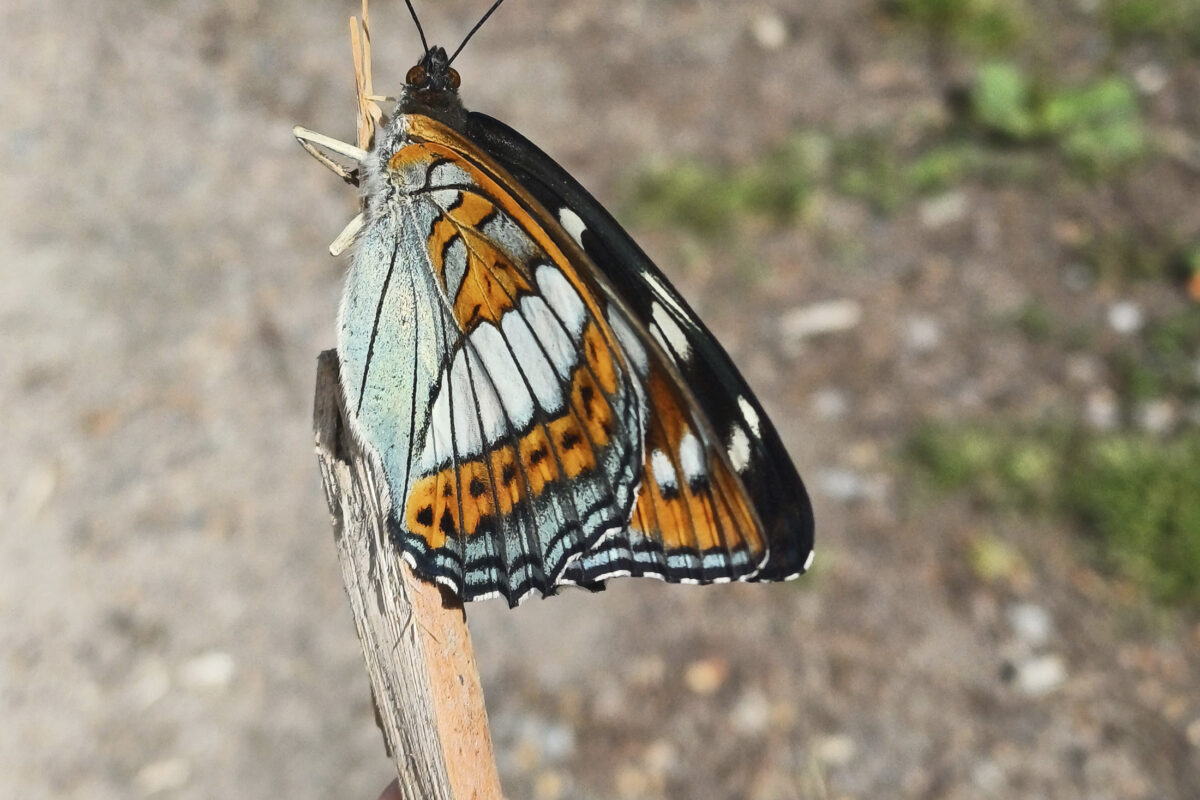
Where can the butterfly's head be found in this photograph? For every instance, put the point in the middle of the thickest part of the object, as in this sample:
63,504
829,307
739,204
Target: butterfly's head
433,73
431,86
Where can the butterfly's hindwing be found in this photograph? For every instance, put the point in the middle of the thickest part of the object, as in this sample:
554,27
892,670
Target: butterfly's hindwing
717,395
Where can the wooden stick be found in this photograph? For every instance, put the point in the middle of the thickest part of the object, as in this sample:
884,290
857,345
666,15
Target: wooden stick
428,701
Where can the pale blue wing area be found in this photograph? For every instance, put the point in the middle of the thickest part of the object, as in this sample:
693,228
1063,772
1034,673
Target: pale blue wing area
425,397
389,342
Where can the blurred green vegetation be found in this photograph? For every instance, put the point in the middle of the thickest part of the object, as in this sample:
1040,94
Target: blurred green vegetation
1132,250
1134,495
1096,130
778,188
986,25
1097,127
712,200
1010,123
873,168
1163,361
1001,26
993,558
1035,320
1174,22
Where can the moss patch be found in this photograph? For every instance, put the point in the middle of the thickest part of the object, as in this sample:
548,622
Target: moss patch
1134,497
1096,127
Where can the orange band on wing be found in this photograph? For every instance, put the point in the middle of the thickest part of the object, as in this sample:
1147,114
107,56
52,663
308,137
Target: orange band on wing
491,284
497,482
441,142
700,516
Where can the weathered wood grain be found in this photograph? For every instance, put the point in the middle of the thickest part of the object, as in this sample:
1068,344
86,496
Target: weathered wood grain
428,701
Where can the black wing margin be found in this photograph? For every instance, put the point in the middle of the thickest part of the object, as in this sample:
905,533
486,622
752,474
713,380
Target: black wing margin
770,478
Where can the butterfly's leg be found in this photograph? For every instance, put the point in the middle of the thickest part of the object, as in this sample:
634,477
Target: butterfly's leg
311,141
347,236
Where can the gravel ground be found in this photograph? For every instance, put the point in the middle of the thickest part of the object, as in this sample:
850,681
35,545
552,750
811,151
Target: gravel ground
174,623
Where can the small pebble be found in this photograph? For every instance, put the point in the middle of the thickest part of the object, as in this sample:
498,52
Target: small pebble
37,490
1150,78
1031,623
707,675
660,757
213,670
647,671
769,30
557,741
922,334
831,317
829,404
550,785
1101,410
1193,733
989,777
946,209
632,783
1125,317
163,776
843,485
1156,416
836,750
1040,675
610,703
536,741
1083,369
150,683
752,714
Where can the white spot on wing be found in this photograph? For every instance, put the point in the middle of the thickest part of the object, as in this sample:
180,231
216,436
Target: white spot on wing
629,341
671,331
529,348
658,337
468,439
664,472
550,334
445,198
437,439
538,371
502,373
572,224
809,560
663,292
562,297
738,448
691,458
751,416
453,429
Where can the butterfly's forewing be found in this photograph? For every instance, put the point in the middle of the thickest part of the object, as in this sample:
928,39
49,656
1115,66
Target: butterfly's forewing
485,376
747,461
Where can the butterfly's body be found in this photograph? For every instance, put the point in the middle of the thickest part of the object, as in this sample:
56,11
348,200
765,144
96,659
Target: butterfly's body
545,408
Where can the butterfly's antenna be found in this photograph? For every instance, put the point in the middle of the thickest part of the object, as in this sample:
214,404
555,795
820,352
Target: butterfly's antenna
420,30
478,25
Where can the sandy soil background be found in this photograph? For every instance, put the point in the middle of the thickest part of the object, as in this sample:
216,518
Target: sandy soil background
173,620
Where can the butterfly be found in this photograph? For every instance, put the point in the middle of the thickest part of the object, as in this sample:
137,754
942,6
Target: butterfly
547,410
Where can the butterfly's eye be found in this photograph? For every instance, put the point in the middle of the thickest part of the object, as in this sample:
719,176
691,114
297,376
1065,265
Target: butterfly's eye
455,81
416,76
